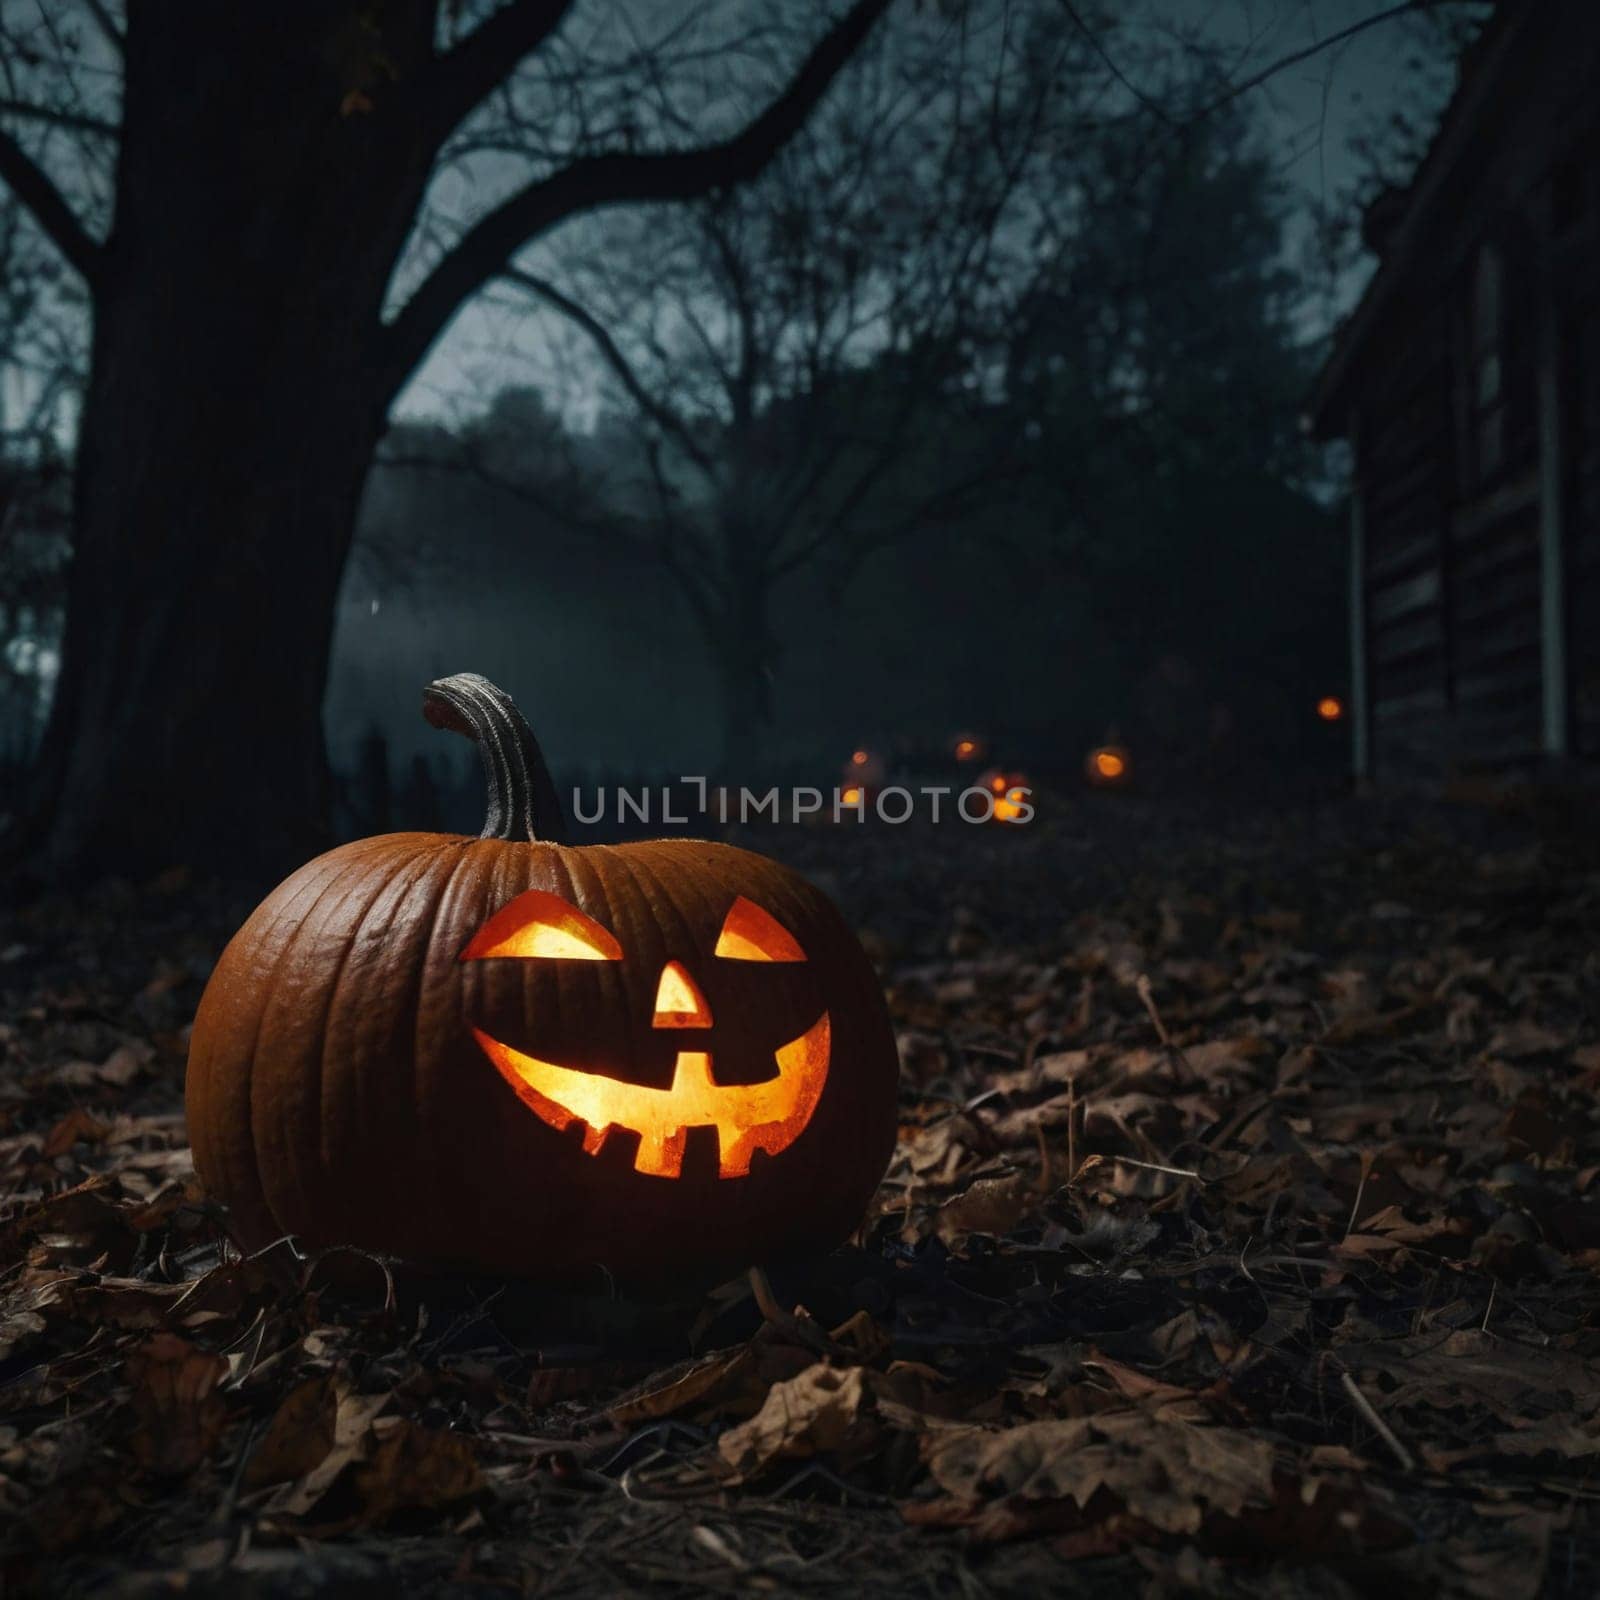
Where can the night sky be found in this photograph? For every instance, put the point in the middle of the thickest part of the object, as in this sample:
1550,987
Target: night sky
1310,109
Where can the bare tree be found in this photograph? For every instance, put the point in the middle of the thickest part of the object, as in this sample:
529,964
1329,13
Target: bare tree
41,370
798,365
257,200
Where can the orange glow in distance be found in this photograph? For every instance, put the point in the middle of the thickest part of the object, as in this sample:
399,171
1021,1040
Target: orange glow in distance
1008,808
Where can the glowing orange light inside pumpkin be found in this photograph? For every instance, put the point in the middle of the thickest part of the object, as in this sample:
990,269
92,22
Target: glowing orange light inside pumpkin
859,758
540,925
750,934
1109,764
1330,708
679,1003
767,1116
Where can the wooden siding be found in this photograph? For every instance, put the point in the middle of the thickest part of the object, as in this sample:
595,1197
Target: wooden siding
1406,456
1453,580
1472,366
1498,675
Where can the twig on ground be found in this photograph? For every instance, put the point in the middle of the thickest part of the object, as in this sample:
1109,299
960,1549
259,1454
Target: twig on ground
1361,1189
1156,1166
1142,985
1406,1460
803,1328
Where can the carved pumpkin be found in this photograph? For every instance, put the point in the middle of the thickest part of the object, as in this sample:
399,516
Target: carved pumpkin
511,1054
866,769
1108,766
1011,804
1011,791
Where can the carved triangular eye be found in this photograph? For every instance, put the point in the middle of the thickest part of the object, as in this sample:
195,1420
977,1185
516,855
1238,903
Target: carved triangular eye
751,934
541,925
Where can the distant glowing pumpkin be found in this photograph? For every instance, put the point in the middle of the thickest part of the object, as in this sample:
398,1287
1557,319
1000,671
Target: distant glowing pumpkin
513,1055
865,769
1108,766
1011,792
1012,805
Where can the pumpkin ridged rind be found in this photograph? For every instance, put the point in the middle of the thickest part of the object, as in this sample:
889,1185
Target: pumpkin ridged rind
336,1091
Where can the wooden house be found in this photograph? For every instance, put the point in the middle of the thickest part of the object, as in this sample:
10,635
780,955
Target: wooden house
1467,381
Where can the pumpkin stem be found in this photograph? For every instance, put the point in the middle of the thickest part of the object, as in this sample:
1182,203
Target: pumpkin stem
522,799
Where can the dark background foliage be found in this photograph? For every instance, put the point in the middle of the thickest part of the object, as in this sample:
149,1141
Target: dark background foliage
738,385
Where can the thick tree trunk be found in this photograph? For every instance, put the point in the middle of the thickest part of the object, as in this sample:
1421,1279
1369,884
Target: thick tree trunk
272,160
210,537
231,414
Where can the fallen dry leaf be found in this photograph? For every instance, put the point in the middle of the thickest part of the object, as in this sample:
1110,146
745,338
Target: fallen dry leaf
79,1123
354,1417
1167,1471
179,1416
819,1409
1395,1135
413,1469
991,1205
299,1436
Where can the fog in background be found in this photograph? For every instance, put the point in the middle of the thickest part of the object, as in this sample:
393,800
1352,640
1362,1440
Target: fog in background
1133,540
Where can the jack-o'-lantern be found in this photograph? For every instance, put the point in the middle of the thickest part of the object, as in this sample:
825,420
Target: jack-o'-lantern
865,770
1012,803
511,1054
1011,792
1108,766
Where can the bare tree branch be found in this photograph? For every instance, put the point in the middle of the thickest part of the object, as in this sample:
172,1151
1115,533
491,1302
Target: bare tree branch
1295,57
28,182
608,179
942,504
619,364
1153,106
74,121
106,23
742,387
458,80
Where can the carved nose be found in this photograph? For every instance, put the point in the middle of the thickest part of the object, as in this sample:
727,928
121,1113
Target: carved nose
679,1003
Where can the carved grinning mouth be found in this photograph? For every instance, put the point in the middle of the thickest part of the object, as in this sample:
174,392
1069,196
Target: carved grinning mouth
767,1116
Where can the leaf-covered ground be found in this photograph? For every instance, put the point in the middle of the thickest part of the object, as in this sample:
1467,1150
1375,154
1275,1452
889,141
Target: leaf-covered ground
1242,1239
